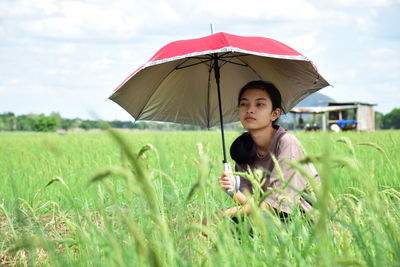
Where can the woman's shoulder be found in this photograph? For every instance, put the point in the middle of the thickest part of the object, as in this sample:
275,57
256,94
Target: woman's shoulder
284,137
288,143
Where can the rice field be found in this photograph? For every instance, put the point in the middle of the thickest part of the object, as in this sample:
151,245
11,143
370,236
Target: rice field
138,198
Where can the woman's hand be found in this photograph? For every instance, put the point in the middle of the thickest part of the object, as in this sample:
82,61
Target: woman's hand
225,181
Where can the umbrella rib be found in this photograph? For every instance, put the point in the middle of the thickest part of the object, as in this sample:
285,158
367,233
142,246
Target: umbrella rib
223,58
251,68
208,94
204,57
231,56
228,61
190,65
224,54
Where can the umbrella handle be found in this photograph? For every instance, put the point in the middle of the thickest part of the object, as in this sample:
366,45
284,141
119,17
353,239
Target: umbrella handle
228,169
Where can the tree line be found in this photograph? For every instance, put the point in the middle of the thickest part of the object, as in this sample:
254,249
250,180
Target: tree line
390,120
45,123
48,123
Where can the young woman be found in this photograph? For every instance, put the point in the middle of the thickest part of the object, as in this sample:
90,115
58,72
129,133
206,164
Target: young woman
259,109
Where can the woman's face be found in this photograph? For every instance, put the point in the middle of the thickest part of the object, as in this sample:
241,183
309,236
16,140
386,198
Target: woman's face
255,110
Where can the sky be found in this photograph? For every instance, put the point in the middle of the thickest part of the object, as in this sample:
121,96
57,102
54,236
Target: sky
69,56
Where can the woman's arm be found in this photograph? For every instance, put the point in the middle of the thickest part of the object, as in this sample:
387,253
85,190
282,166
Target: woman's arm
239,210
235,211
226,182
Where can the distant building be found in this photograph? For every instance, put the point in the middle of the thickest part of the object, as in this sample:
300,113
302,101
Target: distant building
362,113
341,115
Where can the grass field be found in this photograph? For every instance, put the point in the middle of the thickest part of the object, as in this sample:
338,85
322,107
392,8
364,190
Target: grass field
115,199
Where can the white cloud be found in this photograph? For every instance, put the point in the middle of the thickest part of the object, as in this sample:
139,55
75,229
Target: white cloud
28,10
102,63
96,44
388,89
260,9
9,85
58,72
83,20
87,20
67,48
366,3
3,89
362,23
382,52
308,43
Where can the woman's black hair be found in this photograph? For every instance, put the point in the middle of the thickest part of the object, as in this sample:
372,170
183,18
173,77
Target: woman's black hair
243,149
268,87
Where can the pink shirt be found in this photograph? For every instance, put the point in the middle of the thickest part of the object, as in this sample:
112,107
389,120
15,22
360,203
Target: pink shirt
284,146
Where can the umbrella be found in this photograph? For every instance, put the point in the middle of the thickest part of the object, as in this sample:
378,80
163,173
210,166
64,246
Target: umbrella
197,81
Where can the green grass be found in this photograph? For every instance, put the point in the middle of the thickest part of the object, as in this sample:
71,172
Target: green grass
101,199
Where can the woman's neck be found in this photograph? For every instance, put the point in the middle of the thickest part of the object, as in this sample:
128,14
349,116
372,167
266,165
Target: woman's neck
263,137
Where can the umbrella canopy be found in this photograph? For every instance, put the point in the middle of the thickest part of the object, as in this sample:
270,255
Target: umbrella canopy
178,84
197,81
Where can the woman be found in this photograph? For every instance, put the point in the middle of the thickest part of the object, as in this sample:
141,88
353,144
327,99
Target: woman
259,110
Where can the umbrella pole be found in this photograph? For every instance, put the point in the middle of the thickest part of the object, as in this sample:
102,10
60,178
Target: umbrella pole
227,167
217,79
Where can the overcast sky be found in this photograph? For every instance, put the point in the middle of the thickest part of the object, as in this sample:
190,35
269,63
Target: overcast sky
69,56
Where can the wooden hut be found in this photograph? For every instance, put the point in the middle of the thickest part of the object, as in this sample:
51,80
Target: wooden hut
347,115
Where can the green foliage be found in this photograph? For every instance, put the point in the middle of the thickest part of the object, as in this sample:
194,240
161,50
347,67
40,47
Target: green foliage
32,122
8,121
392,119
379,120
67,124
26,123
46,123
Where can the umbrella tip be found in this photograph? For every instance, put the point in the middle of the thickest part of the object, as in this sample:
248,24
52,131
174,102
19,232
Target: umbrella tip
212,28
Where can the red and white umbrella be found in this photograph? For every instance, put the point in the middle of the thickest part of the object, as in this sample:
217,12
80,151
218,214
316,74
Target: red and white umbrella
197,81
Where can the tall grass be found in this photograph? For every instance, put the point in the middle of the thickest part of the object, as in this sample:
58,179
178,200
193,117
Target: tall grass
115,199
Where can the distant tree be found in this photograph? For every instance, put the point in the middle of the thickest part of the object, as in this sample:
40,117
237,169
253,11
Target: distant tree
76,123
126,124
139,125
8,122
46,123
159,126
90,124
392,119
86,124
379,120
122,124
2,122
67,124
116,124
57,115
26,122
